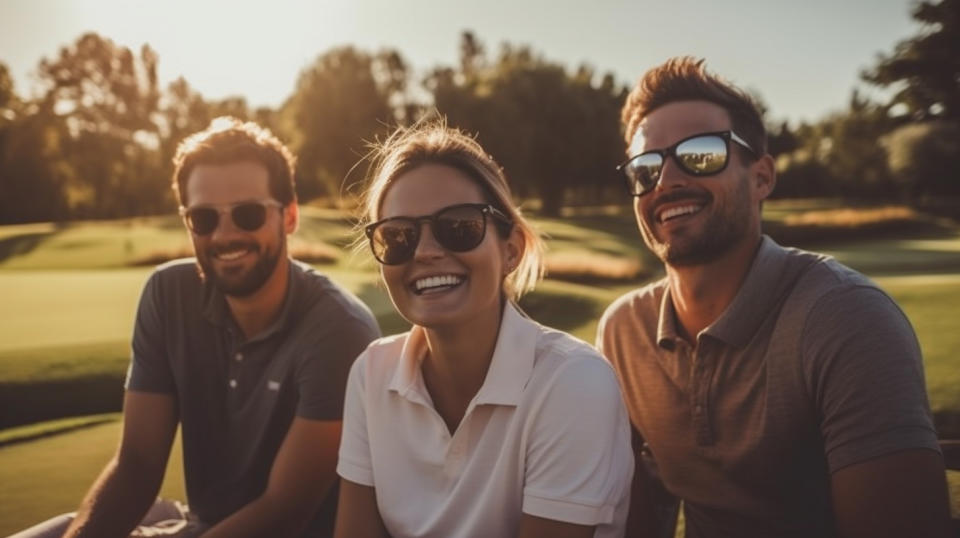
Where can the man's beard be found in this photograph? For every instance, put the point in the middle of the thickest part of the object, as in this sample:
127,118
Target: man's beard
718,235
245,284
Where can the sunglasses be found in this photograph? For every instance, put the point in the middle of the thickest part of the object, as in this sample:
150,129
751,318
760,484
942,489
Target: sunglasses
457,228
699,155
248,216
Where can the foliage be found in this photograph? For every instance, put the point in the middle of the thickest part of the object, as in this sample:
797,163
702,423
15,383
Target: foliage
555,133
342,101
925,69
923,159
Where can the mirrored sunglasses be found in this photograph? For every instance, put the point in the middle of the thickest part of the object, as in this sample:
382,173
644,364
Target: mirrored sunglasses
700,155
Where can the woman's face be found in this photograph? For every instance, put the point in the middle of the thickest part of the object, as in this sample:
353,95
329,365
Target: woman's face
438,287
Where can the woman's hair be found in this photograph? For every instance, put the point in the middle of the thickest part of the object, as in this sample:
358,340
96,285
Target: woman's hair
685,78
432,142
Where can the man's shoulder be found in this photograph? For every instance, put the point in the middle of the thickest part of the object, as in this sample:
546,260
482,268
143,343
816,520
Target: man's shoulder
824,276
324,298
634,303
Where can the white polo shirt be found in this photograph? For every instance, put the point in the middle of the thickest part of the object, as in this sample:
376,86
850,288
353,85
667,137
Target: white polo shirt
546,435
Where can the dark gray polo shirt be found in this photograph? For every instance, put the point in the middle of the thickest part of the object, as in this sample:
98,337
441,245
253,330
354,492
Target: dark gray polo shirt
810,369
237,397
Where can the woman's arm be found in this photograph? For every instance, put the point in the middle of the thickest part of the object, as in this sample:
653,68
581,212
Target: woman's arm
357,513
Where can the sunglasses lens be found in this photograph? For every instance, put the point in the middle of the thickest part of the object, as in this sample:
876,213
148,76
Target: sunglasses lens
460,229
202,220
703,155
643,172
249,217
394,241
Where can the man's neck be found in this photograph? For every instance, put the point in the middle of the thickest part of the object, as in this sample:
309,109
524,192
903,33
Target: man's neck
257,311
701,293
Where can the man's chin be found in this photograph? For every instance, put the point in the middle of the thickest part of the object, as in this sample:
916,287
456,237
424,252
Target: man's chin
236,283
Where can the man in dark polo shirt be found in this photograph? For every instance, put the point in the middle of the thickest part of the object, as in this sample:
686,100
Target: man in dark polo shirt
777,392
246,349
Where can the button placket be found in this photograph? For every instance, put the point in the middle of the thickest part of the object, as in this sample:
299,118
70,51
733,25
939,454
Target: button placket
700,396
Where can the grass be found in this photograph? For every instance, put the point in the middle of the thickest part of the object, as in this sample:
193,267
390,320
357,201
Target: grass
48,476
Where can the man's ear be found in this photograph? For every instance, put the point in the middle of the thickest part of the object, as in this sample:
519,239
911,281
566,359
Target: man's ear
764,173
291,217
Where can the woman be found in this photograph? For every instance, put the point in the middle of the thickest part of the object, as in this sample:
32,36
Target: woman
479,421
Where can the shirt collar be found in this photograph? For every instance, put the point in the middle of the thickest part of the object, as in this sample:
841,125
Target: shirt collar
510,368
767,279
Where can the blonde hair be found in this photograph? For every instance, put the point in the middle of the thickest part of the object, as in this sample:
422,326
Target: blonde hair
432,142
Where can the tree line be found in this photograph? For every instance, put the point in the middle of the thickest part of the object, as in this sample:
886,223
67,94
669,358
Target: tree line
98,139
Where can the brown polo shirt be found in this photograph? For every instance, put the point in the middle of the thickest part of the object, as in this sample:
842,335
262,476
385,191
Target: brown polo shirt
811,368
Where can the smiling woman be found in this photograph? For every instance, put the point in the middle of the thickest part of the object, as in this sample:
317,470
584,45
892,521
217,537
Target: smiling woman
492,419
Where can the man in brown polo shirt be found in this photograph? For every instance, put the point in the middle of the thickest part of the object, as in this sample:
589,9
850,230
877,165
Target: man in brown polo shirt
778,392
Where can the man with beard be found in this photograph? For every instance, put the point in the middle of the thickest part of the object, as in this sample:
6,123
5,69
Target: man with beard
246,349
773,390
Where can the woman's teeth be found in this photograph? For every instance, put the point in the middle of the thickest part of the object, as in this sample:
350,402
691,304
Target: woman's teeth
435,282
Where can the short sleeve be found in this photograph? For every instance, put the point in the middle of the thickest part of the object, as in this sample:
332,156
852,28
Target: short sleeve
322,378
865,371
579,459
354,462
149,369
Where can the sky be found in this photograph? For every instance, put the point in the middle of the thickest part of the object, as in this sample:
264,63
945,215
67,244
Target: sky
803,58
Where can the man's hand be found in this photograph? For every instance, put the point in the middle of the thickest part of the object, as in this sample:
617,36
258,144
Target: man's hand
901,494
302,475
128,485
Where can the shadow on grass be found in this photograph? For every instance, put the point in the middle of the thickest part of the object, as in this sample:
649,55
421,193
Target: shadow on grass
39,400
560,311
18,245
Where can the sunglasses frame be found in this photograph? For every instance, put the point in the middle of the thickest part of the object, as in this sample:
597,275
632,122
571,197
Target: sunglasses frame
671,151
485,209
222,209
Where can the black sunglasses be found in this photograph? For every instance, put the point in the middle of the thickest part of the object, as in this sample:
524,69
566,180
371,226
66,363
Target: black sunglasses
700,155
457,228
248,216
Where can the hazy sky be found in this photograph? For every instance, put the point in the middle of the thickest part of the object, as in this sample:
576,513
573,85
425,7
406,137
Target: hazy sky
803,57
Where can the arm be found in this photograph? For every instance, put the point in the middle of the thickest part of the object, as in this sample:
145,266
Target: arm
538,527
301,477
653,509
578,460
128,485
887,477
901,494
357,512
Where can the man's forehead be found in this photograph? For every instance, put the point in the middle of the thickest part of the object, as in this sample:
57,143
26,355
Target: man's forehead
673,122
228,183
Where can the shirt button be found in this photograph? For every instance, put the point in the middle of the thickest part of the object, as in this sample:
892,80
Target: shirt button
238,357
233,383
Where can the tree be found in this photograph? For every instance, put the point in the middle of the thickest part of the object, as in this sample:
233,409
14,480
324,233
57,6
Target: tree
31,178
342,101
107,97
553,132
923,159
926,67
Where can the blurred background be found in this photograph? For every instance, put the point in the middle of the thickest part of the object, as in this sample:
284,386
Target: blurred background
861,99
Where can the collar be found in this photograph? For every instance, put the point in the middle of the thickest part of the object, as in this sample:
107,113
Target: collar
217,311
510,368
769,277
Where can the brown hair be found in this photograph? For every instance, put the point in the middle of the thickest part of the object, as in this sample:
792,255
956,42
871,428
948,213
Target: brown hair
685,78
432,142
228,140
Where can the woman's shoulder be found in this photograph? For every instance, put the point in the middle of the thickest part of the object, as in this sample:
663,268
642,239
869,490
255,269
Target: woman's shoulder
570,357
